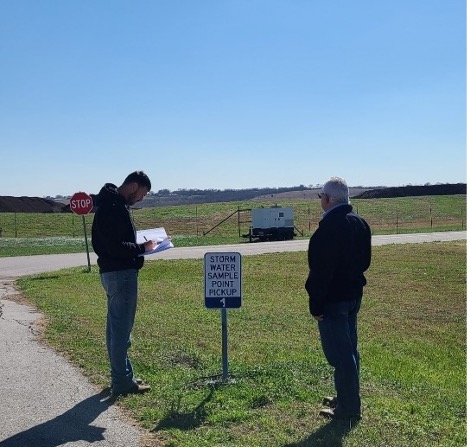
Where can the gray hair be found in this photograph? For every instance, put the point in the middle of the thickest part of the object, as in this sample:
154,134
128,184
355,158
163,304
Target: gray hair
337,190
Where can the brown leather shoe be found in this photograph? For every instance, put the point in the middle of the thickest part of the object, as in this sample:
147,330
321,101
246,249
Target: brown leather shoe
134,389
337,414
329,401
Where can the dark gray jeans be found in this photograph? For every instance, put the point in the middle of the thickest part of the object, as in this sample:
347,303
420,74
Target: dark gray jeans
121,291
339,339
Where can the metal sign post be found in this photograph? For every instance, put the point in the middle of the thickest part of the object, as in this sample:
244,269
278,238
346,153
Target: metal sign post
224,342
86,243
223,291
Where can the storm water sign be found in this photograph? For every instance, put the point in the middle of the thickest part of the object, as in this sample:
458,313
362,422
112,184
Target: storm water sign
223,291
222,280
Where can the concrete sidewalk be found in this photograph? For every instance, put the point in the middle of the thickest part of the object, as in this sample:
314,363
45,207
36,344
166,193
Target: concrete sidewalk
46,401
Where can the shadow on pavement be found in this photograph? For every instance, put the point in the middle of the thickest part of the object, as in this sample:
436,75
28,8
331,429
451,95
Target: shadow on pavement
73,425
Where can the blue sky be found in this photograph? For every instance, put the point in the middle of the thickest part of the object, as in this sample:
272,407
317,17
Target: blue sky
230,93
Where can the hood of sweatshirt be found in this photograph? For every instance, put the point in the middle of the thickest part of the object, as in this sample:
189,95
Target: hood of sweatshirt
107,194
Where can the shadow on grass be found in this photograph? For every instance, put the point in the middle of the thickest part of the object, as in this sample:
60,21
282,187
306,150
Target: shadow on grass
331,434
44,277
185,421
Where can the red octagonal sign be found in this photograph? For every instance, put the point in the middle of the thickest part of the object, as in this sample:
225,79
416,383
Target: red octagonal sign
81,203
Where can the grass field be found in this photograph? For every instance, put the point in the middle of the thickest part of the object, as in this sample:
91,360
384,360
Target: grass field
190,225
412,336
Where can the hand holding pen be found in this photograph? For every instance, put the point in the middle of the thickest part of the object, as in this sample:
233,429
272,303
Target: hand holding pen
149,244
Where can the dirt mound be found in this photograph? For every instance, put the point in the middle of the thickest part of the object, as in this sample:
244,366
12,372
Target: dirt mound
413,191
10,204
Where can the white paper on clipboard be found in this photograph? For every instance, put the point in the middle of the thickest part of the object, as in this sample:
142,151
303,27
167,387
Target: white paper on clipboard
156,234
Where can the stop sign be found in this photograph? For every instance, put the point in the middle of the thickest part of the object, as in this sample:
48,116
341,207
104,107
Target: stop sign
81,203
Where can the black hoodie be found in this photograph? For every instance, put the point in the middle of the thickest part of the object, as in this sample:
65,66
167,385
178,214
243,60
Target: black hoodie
114,234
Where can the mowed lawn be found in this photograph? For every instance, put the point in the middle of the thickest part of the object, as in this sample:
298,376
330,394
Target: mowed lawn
412,331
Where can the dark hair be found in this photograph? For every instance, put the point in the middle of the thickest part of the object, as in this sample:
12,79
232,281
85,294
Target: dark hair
140,178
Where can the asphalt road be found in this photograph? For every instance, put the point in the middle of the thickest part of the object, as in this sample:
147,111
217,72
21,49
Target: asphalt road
12,268
46,401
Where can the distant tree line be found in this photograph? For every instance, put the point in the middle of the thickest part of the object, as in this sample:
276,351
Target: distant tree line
190,196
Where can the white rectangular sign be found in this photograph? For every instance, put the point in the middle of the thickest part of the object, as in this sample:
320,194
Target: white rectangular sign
222,280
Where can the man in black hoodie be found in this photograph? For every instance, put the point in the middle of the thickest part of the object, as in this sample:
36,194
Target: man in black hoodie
119,260
338,255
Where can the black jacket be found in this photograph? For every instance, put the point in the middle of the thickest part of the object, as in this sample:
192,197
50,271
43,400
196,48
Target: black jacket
339,253
114,234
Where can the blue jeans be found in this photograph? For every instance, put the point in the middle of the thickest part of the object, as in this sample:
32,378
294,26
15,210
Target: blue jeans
121,291
339,339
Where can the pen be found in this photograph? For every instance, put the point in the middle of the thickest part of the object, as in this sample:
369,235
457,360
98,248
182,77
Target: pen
144,237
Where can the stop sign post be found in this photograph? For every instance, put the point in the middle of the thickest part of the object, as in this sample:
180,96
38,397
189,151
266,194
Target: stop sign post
82,204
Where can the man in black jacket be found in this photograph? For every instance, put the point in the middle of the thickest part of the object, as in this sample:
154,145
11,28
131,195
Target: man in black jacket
119,260
339,253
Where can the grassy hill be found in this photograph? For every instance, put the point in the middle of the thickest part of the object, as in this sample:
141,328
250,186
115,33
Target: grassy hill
196,196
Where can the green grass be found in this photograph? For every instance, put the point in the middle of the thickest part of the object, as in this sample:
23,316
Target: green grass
23,246
190,225
412,337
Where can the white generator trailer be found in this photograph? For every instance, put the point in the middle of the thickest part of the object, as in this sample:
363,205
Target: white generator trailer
274,223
